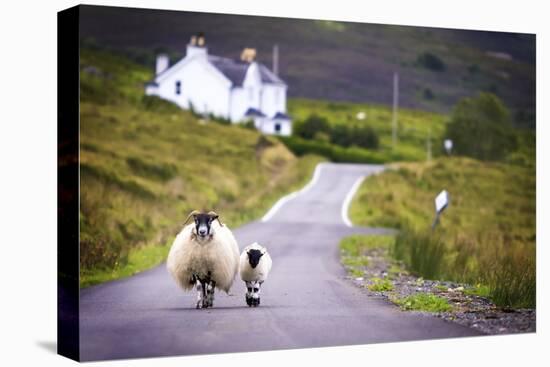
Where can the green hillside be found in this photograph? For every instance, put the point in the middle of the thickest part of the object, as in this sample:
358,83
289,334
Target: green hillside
340,60
145,164
487,234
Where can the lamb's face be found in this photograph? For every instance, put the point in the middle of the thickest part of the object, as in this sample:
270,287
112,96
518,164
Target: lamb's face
203,225
254,256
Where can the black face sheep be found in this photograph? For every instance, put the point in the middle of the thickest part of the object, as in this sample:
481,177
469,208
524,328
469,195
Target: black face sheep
255,264
204,254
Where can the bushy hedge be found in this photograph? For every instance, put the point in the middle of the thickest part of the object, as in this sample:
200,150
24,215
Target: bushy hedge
333,152
316,127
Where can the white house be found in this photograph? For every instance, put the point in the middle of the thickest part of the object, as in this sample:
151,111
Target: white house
235,90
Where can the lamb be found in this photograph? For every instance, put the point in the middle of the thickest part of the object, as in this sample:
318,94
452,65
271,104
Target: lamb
255,264
204,254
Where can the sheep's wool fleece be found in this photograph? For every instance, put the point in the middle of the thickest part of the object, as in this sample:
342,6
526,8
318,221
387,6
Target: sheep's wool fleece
218,255
260,272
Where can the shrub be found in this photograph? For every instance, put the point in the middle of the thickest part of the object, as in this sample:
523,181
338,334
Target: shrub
428,94
481,128
431,62
364,136
312,125
333,152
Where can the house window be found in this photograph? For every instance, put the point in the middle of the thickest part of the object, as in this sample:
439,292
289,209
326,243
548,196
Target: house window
278,128
178,87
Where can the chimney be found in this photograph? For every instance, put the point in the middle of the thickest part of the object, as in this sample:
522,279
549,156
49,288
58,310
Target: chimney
248,54
163,62
200,39
197,45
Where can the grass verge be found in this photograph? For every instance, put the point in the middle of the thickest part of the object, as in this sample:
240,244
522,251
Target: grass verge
423,302
486,236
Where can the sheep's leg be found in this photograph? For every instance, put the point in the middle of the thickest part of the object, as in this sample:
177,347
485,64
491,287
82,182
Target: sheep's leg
199,293
259,290
204,293
248,295
210,287
256,293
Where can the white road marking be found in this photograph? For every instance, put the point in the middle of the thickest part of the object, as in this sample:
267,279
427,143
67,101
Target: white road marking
294,194
347,201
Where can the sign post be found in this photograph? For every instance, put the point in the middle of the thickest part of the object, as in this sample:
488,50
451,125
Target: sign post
441,202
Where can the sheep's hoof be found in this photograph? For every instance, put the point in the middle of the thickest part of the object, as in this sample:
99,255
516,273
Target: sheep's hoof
249,300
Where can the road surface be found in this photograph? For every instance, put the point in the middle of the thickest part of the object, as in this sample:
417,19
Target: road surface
306,302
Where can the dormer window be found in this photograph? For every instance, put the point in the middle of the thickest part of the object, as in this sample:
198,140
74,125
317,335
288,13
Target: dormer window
178,87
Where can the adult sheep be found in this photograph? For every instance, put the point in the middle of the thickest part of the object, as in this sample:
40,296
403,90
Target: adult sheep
204,254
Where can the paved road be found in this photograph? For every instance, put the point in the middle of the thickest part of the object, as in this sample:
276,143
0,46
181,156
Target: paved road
305,303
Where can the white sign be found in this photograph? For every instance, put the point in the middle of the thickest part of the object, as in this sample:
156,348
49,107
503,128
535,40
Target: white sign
441,201
448,144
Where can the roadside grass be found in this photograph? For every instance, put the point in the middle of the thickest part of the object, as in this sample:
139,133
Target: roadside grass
353,248
355,245
478,290
138,260
380,285
145,164
423,302
486,236
414,128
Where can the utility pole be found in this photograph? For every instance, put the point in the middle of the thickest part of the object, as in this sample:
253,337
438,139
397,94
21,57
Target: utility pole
429,145
395,106
276,59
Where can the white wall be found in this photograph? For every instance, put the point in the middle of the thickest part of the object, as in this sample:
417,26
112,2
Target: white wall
239,104
273,99
252,85
202,85
267,126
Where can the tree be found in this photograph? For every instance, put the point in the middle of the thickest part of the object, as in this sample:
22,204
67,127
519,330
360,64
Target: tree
313,125
431,62
481,128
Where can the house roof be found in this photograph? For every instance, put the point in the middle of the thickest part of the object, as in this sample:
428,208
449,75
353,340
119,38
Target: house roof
233,70
252,112
268,76
151,83
236,70
281,116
